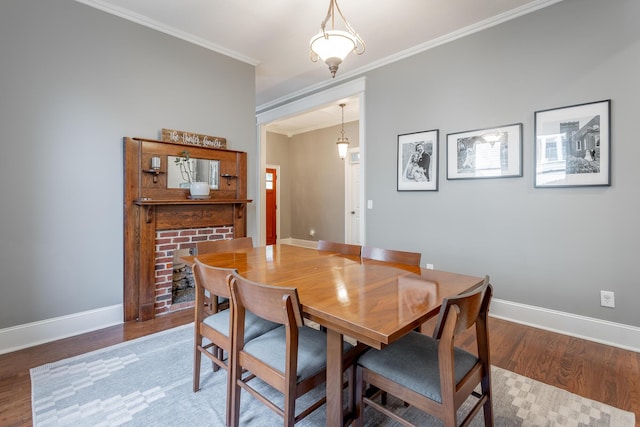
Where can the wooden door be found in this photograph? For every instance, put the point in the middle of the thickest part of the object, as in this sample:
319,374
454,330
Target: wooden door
271,181
352,220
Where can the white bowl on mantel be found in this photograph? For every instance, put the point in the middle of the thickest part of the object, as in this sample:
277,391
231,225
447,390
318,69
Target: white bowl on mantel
199,189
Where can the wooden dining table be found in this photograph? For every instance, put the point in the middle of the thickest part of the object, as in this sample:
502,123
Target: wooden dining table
373,302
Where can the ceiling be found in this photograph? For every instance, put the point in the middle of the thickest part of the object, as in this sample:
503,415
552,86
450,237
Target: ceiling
274,36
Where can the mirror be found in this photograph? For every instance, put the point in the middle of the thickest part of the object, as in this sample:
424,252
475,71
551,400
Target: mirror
180,174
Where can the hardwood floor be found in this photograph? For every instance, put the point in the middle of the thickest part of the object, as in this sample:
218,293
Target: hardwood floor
607,374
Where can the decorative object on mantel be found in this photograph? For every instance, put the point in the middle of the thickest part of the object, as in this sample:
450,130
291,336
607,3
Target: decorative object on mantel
332,46
229,177
198,189
155,168
190,138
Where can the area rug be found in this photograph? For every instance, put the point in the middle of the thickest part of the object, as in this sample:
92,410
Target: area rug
147,382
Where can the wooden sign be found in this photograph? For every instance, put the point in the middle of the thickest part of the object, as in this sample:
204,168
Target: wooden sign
190,138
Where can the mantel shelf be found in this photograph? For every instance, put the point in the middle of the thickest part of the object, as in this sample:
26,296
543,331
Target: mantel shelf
158,202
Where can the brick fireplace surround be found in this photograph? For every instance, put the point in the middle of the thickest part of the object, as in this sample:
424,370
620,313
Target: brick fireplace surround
167,243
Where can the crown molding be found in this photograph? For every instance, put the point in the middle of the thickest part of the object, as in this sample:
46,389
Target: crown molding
174,32
463,32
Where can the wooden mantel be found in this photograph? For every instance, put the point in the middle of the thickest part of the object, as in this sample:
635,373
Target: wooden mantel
149,206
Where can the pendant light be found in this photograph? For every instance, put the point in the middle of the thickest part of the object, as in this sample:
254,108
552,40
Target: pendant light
343,141
332,46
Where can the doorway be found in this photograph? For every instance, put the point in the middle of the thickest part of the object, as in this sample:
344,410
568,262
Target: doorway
271,209
354,88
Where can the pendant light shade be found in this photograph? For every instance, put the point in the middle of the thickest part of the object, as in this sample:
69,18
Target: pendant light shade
332,46
343,141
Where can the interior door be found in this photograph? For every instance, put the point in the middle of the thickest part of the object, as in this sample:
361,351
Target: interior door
352,220
271,198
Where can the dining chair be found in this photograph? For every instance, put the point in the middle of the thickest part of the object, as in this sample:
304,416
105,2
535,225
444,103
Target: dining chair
216,327
431,373
224,245
341,248
291,358
391,255
221,245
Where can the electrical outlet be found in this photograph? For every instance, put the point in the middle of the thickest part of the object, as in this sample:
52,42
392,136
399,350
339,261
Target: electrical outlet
430,266
607,299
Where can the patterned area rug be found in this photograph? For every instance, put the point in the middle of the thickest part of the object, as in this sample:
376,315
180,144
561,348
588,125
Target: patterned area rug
147,382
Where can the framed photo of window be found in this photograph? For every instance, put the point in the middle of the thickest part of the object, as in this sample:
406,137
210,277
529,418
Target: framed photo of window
418,161
573,146
485,153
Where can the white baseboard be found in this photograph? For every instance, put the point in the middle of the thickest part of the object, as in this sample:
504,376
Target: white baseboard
610,333
30,334
299,242
588,328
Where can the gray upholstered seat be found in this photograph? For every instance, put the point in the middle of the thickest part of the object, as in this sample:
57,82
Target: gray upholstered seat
271,348
254,325
413,362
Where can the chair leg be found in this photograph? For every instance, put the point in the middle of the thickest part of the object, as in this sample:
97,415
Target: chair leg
290,409
216,352
229,408
197,357
487,408
233,392
351,388
359,404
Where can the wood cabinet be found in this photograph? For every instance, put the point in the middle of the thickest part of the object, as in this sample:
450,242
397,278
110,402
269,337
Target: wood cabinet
150,206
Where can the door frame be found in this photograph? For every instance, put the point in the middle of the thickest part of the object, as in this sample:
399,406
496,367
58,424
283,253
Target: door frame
354,87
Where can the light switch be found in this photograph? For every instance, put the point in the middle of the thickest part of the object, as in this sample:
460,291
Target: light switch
369,204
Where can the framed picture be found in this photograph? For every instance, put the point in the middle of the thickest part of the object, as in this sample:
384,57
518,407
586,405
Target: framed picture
418,161
485,153
572,146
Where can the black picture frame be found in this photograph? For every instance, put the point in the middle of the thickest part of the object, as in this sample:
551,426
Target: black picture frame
417,161
485,153
573,146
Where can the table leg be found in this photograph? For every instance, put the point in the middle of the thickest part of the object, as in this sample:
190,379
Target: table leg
334,379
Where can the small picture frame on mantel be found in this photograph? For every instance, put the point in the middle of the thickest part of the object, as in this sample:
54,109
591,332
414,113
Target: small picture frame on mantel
417,162
573,146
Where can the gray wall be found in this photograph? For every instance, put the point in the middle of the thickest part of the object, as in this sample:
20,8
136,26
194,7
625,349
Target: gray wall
278,153
73,82
552,248
312,176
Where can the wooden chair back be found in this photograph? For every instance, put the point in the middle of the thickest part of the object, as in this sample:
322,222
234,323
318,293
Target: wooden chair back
266,301
228,245
224,245
341,248
280,305
211,279
470,307
391,255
